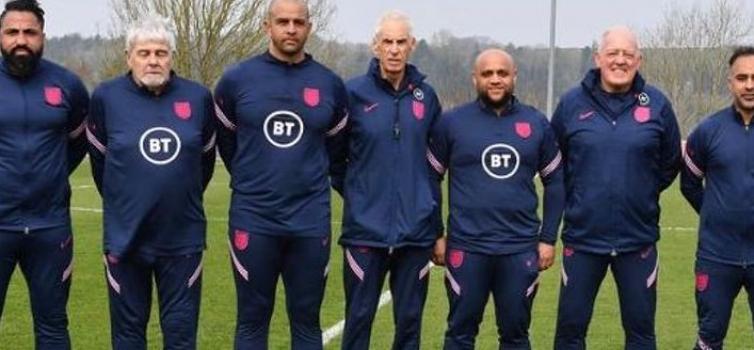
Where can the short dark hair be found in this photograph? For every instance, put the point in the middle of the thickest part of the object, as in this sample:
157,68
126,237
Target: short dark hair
739,52
24,6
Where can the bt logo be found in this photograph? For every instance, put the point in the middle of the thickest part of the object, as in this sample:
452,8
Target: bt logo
283,129
159,145
500,161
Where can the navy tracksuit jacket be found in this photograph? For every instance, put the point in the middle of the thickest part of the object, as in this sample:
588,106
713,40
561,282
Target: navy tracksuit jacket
492,161
493,227
390,218
41,143
152,157
280,125
620,150
387,187
717,181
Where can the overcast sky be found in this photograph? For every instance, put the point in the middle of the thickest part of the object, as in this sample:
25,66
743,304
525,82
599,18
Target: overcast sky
519,22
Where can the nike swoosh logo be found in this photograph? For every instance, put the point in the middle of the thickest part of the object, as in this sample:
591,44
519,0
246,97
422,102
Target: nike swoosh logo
585,115
369,108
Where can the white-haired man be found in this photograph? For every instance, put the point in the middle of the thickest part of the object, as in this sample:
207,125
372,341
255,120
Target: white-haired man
151,136
621,148
391,213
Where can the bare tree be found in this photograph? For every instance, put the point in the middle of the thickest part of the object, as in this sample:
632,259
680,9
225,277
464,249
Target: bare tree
211,34
687,55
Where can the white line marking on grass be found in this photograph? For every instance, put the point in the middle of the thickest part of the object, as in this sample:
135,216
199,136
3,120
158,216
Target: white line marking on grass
89,210
81,187
333,332
676,228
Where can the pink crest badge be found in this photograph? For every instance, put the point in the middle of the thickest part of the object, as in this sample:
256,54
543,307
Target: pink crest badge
311,97
53,95
241,240
642,114
418,109
523,130
182,110
702,281
455,258
568,251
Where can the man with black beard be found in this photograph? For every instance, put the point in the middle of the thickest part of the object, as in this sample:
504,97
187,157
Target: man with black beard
492,148
42,112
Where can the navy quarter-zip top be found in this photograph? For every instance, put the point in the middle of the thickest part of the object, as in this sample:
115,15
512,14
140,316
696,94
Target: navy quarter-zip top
387,185
41,142
152,157
621,151
718,182
491,161
279,126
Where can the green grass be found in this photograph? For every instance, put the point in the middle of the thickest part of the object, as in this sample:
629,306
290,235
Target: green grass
89,318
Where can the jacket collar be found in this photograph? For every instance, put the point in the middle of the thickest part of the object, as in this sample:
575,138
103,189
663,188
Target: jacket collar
592,83
143,90
411,80
508,109
269,58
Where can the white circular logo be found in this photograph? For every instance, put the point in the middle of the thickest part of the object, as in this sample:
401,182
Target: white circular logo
160,145
283,128
418,94
500,161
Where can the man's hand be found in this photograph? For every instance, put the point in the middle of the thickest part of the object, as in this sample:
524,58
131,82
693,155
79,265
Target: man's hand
546,256
438,254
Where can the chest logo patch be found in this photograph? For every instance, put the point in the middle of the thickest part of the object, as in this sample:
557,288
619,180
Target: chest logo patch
311,97
418,94
53,95
283,129
455,258
642,114
160,145
643,99
418,109
500,161
523,130
182,109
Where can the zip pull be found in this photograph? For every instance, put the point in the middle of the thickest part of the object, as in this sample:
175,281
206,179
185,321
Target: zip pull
26,230
396,131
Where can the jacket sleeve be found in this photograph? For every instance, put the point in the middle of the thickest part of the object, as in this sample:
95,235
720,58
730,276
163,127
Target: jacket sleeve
435,179
692,173
551,174
96,134
77,144
337,139
671,148
209,140
557,123
225,121
438,156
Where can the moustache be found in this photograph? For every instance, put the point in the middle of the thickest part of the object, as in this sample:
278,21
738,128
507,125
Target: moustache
16,49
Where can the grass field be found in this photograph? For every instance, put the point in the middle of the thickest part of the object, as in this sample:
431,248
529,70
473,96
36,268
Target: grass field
89,318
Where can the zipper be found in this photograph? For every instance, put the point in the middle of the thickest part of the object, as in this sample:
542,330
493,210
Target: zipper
25,155
396,148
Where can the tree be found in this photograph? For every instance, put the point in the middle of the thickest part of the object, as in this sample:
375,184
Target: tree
687,55
210,34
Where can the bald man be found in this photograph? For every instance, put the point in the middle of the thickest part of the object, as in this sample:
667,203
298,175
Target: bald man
281,115
492,148
621,147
